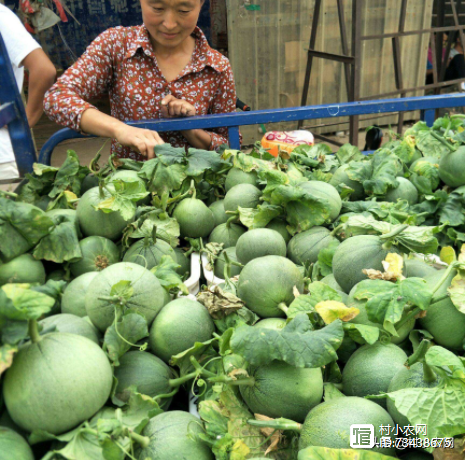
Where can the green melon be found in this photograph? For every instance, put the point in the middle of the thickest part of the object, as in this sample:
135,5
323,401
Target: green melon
149,374
98,253
22,269
277,324
96,222
180,324
443,320
184,263
354,255
371,368
330,280
451,167
195,218
71,324
412,377
56,275
57,383
219,265
173,437
362,318
226,234
416,268
267,282
282,390
405,191
260,242
340,176
13,446
73,298
279,225
90,181
242,195
148,254
236,176
326,194
218,210
304,247
148,295
66,215
329,423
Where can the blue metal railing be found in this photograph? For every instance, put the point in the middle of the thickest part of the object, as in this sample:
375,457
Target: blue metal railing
232,121
13,115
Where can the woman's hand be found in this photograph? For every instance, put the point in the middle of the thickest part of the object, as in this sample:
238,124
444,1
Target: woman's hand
141,140
173,108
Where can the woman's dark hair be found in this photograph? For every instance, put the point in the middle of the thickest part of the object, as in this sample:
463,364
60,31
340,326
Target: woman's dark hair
374,137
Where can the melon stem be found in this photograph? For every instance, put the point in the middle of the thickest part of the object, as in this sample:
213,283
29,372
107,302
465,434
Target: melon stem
283,307
33,328
429,374
395,232
277,424
417,310
143,441
419,354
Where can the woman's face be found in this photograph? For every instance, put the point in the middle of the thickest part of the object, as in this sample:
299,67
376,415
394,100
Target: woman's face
170,22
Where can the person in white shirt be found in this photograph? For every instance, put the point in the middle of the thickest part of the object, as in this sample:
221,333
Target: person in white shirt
24,52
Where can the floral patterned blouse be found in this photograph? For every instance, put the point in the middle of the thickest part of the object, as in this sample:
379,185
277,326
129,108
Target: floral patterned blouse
121,61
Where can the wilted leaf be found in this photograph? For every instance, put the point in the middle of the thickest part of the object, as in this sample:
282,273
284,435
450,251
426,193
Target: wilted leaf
7,353
258,217
220,303
331,310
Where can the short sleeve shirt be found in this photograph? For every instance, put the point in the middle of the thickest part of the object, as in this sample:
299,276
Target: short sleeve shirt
19,44
121,61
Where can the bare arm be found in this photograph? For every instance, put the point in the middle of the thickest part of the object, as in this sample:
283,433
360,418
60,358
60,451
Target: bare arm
100,124
42,74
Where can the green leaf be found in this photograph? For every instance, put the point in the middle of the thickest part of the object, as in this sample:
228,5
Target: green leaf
452,211
201,160
386,301
124,196
66,175
457,291
19,302
60,245
425,176
440,357
303,210
385,168
258,217
435,407
348,152
324,453
83,445
22,226
162,178
139,410
361,333
419,239
325,258
123,290
318,292
166,273
13,331
200,350
404,150
132,327
296,344
429,145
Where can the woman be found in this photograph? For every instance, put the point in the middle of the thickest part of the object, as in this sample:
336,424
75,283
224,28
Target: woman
161,69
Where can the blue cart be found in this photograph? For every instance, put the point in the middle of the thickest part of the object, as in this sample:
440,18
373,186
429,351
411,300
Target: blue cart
13,115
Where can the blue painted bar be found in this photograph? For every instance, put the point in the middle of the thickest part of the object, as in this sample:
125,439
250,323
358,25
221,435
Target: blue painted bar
234,120
428,116
18,127
8,113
